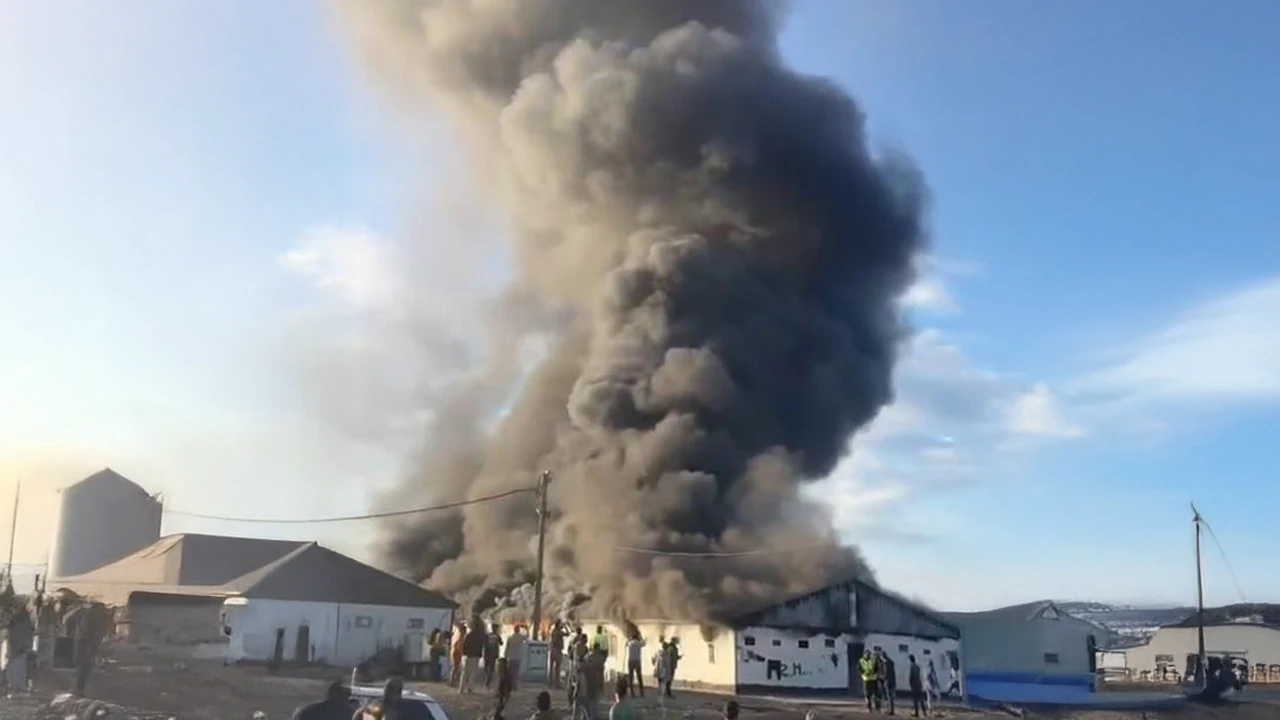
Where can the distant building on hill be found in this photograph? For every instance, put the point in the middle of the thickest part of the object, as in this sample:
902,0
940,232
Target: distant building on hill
1248,633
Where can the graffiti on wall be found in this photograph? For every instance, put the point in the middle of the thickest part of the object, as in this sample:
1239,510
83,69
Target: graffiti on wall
766,657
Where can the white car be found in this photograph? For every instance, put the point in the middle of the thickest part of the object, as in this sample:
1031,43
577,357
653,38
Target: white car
362,694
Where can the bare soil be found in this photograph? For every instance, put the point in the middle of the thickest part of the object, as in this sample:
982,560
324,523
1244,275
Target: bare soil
208,690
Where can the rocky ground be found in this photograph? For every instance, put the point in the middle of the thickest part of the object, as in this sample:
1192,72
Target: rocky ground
207,690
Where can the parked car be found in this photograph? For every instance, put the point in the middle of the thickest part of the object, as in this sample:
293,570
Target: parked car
362,694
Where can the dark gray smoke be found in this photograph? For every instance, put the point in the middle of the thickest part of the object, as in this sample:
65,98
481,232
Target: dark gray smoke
715,255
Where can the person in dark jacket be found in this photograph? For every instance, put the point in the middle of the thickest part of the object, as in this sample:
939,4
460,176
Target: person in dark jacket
492,649
915,681
335,706
473,644
890,681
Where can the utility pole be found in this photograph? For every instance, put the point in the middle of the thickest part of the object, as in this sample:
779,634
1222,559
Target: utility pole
544,480
13,536
1200,654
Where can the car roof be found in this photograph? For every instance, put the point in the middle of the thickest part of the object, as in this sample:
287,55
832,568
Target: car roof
372,691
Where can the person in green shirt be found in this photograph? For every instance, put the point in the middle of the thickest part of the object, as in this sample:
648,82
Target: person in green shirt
623,708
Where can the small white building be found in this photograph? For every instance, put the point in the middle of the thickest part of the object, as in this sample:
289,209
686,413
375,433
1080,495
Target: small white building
236,598
1035,652
809,644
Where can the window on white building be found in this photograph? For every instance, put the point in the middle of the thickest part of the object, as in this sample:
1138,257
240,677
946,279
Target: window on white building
804,644
1051,658
417,623
748,640
829,642
904,648
777,643
364,621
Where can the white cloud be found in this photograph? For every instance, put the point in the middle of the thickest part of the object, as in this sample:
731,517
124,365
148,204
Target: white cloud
1226,348
353,263
930,294
1036,413
953,422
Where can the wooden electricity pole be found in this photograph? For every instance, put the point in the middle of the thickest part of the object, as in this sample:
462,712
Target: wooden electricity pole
13,536
544,480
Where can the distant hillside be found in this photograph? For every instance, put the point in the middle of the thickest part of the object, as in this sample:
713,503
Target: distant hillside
1128,620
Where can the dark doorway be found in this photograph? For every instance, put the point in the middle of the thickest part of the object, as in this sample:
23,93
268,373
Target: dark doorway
302,644
855,674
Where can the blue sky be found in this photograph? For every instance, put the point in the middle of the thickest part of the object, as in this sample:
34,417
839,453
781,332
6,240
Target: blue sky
199,212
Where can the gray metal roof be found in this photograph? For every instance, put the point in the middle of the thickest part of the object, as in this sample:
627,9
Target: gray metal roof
214,565
191,559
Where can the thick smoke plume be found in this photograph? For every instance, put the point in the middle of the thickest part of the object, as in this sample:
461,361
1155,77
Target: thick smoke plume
715,256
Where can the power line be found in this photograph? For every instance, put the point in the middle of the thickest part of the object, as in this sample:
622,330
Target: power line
1225,561
740,553
347,518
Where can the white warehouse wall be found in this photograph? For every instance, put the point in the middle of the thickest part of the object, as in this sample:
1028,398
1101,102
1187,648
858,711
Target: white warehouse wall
339,634
900,647
772,658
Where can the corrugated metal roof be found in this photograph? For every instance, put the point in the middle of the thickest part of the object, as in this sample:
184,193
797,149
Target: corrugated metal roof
214,565
191,559
319,574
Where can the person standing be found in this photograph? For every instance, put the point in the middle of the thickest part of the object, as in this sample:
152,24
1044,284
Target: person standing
915,682
931,687
954,685
455,655
555,654
472,651
867,668
673,663
889,681
492,647
17,647
88,625
504,685
601,641
513,652
635,668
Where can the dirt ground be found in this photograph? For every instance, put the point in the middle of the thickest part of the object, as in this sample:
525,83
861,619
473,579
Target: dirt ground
207,690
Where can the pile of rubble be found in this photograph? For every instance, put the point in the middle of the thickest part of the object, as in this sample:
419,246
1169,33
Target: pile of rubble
69,707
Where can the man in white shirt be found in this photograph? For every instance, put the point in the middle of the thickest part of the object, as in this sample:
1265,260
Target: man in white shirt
635,668
513,651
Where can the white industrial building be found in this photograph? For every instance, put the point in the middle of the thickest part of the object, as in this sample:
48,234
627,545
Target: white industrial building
229,597
809,644
1169,650
232,597
1035,652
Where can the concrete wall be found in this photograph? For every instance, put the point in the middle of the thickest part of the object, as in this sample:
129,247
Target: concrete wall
707,655
340,635
1255,643
770,659
175,620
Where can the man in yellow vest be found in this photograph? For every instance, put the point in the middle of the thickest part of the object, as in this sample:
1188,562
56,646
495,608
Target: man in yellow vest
870,688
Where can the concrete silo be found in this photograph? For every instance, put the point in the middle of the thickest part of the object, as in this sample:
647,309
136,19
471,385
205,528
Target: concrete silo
101,519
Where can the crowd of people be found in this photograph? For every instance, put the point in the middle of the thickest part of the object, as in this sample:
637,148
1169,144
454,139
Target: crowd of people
880,683
474,655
